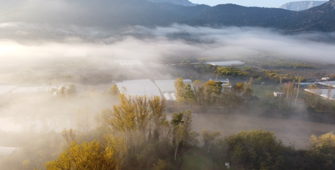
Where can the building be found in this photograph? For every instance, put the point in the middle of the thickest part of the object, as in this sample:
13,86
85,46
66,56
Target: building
168,89
278,94
226,63
325,79
326,83
128,62
304,84
225,83
323,93
143,87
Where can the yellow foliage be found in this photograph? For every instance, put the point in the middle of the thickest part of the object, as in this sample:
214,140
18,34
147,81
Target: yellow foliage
326,140
86,156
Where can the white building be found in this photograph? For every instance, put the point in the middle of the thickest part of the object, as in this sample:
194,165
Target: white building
144,87
226,63
278,94
168,89
327,83
128,62
323,93
325,78
225,83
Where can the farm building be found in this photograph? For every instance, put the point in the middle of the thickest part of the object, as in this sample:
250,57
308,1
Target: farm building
144,87
304,84
226,63
168,85
167,88
325,78
323,93
128,62
278,94
327,83
225,83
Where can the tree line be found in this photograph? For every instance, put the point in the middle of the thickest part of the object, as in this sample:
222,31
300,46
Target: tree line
213,93
136,134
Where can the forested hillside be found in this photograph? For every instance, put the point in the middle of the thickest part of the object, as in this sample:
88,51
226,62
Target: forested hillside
121,14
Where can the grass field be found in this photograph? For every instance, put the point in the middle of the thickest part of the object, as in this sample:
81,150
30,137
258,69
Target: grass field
196,160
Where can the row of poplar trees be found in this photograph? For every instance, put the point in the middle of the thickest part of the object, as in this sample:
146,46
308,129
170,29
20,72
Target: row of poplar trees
212,93
132,135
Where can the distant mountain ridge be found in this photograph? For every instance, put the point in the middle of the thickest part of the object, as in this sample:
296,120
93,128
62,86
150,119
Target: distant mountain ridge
301,5
120,14
176,2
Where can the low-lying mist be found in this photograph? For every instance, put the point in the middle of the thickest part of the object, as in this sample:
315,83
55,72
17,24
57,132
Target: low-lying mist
43,55
23,43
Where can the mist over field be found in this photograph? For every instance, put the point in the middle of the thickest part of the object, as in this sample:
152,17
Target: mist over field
29,47
22,49
37,43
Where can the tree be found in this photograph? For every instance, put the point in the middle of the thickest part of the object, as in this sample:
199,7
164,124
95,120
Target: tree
134,120
322,151
213,90
69,135
162,165
288,90
157,106
86,156
189,94
114,90
189,136
209,138
199,92
324,143
71,89
329,91
254,149
184,92
180,88
66,90
182,132
312,97
177,131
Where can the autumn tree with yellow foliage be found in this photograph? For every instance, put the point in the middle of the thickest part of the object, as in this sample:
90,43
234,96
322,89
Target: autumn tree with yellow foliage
87,156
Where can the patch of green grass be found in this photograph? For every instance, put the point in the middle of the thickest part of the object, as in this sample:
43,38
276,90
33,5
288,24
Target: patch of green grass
195,160
263,90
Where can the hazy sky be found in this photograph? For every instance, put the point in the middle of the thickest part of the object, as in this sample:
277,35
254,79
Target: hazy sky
260,3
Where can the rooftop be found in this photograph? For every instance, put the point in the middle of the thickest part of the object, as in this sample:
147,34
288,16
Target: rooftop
128,62
168,85
144,87
226,63
323,93
327,83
